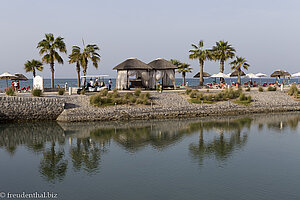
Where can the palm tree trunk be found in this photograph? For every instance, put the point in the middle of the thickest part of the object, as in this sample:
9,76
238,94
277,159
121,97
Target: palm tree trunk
239,77
222,66
183,78
33,73
52,74
78,74
201,72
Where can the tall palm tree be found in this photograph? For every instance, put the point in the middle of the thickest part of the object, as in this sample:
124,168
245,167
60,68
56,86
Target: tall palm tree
183,68
202,55
223,51
33,65
75,57
239,63
89,53
48,48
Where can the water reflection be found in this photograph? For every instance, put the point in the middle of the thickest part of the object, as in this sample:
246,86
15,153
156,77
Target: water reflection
79,147
220,146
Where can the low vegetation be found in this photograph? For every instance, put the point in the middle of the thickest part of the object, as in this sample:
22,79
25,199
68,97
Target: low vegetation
61,91
225,95
293,91
104,98
260,89
270,88
243,100
37,92
248,89
10,92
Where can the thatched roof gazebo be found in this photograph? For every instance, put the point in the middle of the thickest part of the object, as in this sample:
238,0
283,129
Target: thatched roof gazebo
205,74
132,67
163,70
280,73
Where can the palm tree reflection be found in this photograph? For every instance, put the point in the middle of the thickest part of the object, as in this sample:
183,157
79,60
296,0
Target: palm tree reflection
53,166
220,147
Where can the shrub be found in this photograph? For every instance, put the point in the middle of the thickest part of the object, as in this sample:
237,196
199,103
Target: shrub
115,93
61,91
82,92
293,91
270,88
148,95
260,89
37,92
137,92
188,91
242,97
103,93
248,89
132,99
193,94
207,90
249,98
119,101
10,92
128,95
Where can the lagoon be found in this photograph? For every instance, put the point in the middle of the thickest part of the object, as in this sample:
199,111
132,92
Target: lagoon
249,157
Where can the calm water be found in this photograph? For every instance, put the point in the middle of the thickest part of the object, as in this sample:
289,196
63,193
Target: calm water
178,81
256,157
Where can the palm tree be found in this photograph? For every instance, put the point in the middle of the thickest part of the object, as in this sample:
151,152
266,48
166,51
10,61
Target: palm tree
223,51
202,55
239,63
48,48
183,68
90,53
75,57
33,65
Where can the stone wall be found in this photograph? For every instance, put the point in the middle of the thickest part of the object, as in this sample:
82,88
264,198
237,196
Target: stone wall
30,108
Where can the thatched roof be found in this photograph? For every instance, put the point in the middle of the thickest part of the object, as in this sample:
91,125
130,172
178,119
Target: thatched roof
205,74
161,63
20,77
132,64
280,73
236,72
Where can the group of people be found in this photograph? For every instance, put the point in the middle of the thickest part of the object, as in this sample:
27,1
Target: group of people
91,83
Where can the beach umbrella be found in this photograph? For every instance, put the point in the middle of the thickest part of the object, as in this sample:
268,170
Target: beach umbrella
236,72
279,73
219,75
296,75
7,76
205,74
20,77
251,76
260,75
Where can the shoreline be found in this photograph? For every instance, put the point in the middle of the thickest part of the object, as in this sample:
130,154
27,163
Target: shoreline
167,105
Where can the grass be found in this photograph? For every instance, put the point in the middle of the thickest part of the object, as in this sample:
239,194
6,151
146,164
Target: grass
293,91
244,102
198,101
270,88
261,89
10,92
61,91
37,92
104,98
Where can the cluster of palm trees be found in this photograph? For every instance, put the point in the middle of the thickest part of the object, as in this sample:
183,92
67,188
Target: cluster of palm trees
49,49
221,52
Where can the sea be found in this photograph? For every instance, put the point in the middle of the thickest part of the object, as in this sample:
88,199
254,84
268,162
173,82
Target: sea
61,82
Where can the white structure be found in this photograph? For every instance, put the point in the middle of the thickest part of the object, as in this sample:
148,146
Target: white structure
38,83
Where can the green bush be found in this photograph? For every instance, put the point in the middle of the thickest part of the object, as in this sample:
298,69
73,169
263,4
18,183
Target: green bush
137,92
61,91
260,89
132,99
207,90
148,95
98,100
82,92
115,93
37,92
128,95
270,88
193,94
293,91
248,89
188,91
103,93
10,92
249,98
242,97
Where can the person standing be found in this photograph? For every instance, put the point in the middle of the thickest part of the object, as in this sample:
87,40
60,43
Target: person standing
109,84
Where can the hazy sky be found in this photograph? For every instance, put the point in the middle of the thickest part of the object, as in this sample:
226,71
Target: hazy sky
266,32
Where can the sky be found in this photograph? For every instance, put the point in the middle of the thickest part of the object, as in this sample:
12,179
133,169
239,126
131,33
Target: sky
265,32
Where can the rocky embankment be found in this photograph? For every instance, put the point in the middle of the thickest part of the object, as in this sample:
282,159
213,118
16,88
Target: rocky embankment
172,104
